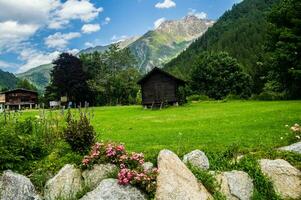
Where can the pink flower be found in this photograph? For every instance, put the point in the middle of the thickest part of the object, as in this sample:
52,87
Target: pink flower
120,148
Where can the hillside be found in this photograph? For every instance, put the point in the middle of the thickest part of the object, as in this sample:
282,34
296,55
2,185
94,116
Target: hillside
159,46
39,76
122,44
241,32
7,80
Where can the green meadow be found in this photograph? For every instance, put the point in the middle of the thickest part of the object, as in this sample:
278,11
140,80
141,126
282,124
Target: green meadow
209,126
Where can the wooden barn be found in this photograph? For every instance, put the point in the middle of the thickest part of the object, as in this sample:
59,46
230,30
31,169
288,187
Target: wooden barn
19,98
159,88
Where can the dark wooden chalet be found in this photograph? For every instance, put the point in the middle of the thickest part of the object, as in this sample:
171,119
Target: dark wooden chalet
159,87
18,98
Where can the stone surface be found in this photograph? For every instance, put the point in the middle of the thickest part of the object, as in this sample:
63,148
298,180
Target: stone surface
99,172
296,147
147,166
197,159
175,181
65,185
285,178
14,186
235,185
109,189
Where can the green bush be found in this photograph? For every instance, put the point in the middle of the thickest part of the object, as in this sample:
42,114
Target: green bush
230,97
80,133
269,96
20,143
198,97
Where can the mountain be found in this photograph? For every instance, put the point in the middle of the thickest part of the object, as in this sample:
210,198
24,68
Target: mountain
39,76
154,48
122,44
241,32
159,46
7,80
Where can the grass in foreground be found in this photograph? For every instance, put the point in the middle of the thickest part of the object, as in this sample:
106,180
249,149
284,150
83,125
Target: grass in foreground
209,126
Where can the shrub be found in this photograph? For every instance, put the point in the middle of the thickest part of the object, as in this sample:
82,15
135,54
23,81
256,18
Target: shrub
79,133
269,96
230,97
20,142
198,97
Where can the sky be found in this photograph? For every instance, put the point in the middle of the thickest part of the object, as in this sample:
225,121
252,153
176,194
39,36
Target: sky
34,32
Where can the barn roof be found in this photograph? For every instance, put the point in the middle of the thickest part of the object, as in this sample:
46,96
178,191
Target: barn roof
18,89
158,70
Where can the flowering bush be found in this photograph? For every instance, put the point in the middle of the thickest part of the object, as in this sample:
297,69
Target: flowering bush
297,130
130,164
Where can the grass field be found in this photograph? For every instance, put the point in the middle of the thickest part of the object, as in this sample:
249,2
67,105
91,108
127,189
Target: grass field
210,126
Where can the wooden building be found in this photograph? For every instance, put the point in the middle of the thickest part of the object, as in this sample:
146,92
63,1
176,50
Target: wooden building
159,87
19,98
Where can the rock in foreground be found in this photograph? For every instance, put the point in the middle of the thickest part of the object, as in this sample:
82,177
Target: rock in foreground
286,178
235,185
197,159
14,186
296,147
65,185
99,172
175,181
109,189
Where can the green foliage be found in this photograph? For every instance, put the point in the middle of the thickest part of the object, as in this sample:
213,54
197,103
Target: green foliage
269,96
198,97
25,84
20,142
284,46
208,181
241,32
263,186
112,76
79,133
218,75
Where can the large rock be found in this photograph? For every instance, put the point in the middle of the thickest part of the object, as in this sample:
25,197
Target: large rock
109,189
65,185
175,181
235,185
296,147
99,172
285,178
197,159
14,186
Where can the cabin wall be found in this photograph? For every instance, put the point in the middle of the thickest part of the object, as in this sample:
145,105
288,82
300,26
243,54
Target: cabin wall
16,98
159,88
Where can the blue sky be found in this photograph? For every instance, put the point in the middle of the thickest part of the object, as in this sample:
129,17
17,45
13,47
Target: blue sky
33,32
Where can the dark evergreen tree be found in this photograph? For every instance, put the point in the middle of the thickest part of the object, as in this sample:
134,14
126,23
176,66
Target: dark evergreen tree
284,48
218,75
69,79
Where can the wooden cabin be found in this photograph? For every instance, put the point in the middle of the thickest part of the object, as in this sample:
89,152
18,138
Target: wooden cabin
19,98
159,87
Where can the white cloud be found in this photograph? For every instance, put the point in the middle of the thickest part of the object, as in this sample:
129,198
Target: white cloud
4,64
74,9
200,15
166,4
90,28
34,58
107,21
59,40
158,22
89,44
29,11
12,33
